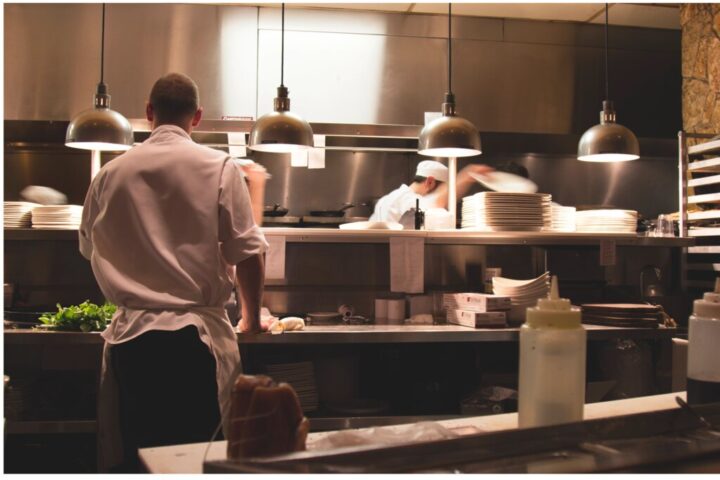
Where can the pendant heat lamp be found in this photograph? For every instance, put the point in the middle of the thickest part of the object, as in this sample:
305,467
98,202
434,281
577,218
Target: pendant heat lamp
449,135
281,131
100,128
609,141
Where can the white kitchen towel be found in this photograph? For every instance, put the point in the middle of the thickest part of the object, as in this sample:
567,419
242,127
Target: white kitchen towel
275,260
299,158
316,157
407,265
236,142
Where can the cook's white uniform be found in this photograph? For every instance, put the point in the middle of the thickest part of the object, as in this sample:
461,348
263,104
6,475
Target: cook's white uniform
393,205
162,226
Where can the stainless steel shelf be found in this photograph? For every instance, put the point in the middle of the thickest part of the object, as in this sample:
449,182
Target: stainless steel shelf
704,232
367,334
706,148
704,249
706,198
711,165
699,182
45,427
704,215
704,267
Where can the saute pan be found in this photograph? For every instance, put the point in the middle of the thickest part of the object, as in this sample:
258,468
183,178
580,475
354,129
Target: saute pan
275,211
331,213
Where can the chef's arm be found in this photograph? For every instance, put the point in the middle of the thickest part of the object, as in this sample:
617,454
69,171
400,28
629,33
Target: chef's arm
256,177
463,183
250,275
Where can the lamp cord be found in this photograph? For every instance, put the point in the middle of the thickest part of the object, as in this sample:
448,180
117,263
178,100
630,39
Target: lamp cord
102,47
607,75
282,47
450,48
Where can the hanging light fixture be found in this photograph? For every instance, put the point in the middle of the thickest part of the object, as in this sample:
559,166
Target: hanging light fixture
100,128
449,135
609,141
281,131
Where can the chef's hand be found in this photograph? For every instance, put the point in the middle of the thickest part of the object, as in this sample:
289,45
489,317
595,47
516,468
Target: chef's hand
464,176
255,174
255,327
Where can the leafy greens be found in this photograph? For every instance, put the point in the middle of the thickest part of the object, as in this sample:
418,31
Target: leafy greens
86,317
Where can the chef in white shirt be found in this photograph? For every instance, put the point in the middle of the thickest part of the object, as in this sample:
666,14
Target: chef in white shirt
429,186
163,226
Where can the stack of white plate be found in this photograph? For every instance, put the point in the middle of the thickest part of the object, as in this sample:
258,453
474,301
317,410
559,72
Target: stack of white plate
59,217
17,214
301,376
562,219
606,221
522,293
502,212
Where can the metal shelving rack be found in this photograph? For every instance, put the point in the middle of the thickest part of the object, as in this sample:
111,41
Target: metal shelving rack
700,263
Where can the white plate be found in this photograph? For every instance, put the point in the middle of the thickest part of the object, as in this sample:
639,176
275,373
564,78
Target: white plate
371,226
505,182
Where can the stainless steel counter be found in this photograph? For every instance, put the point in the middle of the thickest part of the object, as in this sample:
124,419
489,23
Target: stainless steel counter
448,237
342,334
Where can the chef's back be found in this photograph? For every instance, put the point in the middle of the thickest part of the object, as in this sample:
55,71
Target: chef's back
163,222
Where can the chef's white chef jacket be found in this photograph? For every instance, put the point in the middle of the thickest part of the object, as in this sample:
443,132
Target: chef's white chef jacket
162,226
393,205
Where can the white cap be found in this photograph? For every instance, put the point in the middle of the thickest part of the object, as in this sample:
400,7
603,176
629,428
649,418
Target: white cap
431,168
709,306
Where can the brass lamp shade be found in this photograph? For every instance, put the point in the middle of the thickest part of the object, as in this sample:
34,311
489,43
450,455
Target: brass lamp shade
608,141
449,136
100,128
281,131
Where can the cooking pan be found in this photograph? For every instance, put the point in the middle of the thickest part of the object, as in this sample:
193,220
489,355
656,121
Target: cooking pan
331,213
275,211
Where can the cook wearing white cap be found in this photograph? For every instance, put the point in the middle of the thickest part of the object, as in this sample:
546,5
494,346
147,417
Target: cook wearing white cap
429,186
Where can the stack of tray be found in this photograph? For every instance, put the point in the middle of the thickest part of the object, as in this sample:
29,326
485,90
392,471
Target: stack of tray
623,314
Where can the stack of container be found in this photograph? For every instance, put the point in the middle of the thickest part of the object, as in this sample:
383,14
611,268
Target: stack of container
476,310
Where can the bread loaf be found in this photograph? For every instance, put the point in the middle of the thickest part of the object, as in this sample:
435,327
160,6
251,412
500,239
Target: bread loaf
265,418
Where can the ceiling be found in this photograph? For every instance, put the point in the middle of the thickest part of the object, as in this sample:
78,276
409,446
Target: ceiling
649,15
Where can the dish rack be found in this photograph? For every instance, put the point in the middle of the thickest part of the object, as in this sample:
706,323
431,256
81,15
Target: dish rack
699,208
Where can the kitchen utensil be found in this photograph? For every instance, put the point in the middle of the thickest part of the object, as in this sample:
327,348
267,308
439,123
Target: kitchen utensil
381,308
664,227
505,182
396,310
324,318
331,213
275,211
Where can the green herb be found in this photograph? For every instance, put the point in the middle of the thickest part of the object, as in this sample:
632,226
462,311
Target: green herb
86,317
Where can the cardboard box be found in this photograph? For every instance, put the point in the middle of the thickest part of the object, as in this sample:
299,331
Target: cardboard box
477,319
476,302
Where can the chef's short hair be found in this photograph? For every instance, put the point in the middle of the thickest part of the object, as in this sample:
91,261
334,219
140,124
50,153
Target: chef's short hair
174,98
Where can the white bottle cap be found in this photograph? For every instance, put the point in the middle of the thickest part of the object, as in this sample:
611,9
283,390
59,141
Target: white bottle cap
709,306
554,311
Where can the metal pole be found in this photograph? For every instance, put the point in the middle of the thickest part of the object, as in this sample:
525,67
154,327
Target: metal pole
452,189
682,204
95,163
